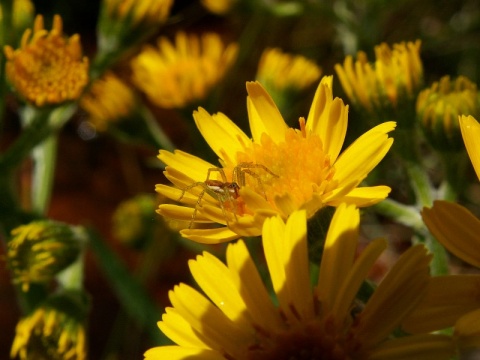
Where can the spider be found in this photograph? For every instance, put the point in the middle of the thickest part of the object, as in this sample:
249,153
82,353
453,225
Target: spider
224,191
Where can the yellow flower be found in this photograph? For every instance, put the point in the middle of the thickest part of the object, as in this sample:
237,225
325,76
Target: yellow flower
108,100
39,250
139,12
283,169
280,71
55,330
396,74
439,107
174,75
471,133
48,68
240,321
219,7
455,299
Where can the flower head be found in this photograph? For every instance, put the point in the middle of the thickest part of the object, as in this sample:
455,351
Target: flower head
138,12
396,74
218,7
108,100
55,330
279,71
439,107
48,68
279,171
240,321
39,250
174,75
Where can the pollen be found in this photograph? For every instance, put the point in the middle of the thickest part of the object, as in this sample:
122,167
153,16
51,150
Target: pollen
300,163
48,68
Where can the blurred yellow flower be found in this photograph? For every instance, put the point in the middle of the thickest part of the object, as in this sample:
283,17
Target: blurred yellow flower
219,7
281,170
396,74
279,71
439,107
23,11
108,100
139,11
54,330
39,250
240,321
174,75
48,68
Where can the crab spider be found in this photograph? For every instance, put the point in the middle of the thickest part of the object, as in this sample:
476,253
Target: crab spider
222,190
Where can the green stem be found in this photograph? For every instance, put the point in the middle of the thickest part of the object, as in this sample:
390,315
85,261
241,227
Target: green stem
405,214
44,157
162,140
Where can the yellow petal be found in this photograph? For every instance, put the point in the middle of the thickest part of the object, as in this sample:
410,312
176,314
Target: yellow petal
424,347
363,196
210,236
338,254
358,273
263,114
252,289
364,154
222,134
447,298
467,330
180,353
295,253
180,331
207,319
215,279
195,167
456,228
471,134
181,213
396,296
328,118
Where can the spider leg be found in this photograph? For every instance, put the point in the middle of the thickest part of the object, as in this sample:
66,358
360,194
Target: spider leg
197,205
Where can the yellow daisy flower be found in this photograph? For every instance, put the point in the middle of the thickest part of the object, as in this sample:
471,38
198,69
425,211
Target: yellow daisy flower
280,71
240,321
108,100
144,12
174,75
471,133
48,68
279,171
396,73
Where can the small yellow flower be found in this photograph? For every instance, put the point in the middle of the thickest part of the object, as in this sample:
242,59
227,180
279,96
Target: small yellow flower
471,134
280,72
48,68
218,7
284,169
396,74
174,75
55,330
39,250
239,321
108,100
132,220
439,107
139,12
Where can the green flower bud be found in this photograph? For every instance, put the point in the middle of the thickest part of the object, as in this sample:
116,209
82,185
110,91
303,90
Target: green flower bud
54,330
439,107
40,250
